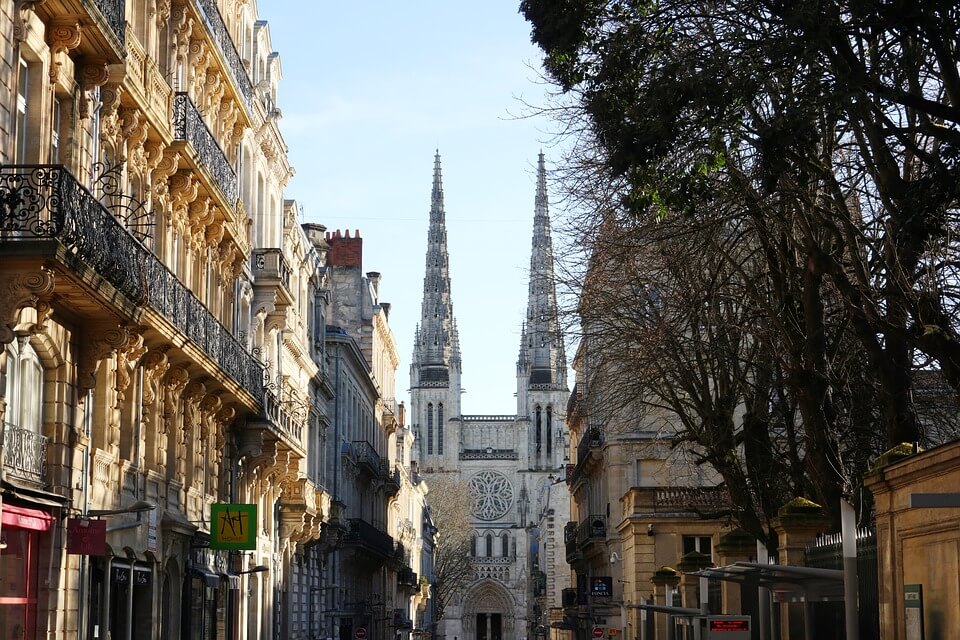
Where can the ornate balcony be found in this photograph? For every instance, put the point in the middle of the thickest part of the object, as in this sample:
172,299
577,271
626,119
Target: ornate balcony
591,529
221,36
362,535
588,453
407,577
45,202
391,478
270,268
114,14
24,453
489,454
366,457
188,125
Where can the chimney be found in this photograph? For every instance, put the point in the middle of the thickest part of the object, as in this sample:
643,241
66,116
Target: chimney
374,278
344,250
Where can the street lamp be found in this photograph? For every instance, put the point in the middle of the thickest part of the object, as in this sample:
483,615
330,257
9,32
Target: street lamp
140,506
257,569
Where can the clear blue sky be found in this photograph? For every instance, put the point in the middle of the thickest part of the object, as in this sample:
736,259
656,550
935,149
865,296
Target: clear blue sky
369,91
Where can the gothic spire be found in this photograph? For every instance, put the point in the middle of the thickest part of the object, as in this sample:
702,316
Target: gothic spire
541,348
437,345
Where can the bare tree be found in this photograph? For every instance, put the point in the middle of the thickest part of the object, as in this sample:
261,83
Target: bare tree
450,503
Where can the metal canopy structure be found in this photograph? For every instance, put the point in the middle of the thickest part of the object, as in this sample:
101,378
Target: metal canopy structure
800,584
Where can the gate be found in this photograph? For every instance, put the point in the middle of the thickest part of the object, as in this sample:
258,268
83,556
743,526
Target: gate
827,553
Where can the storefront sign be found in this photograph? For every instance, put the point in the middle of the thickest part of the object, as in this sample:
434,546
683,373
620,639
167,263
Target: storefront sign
728,628
233,526
601,586
141,577
24,518
152,531
913,603
121,575
86,537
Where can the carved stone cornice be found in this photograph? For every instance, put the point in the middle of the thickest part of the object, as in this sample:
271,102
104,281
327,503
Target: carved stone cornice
62,36
99,342
21,290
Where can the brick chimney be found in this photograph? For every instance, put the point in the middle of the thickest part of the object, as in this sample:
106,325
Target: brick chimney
344,250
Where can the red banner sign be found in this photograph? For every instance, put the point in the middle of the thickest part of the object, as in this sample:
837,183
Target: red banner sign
87,537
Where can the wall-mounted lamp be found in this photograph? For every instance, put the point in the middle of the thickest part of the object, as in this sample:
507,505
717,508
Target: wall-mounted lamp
140,506
650,531
257,569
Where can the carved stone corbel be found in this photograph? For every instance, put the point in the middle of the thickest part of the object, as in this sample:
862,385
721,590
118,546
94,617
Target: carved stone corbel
63,37
133,130
21,18
183,190
110,130
173,383
165,161
127,357
92,74
155,366
23,290
100,341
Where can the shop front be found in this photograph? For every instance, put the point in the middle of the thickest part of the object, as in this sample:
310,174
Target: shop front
24,539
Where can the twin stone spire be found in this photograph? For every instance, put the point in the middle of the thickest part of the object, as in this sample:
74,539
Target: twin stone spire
436,352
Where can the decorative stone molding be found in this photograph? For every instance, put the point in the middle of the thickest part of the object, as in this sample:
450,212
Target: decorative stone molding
110,129
101,340
183,191
127,356
21,18
182,26
162,12
174,382
91,74
165,161
134,129
62,36
22,290
155,366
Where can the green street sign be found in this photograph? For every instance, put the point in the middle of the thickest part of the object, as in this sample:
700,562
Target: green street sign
233,526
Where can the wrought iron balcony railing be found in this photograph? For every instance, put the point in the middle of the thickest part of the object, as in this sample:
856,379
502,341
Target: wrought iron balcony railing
366,457
489,454
591,441
47,202
590,529
24,453
214,21
114,12
364,534
189,125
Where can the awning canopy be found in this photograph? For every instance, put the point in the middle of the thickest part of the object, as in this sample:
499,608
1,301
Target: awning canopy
801,583
210,578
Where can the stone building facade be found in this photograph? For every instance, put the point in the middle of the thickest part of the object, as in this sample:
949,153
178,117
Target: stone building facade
506,460
163,320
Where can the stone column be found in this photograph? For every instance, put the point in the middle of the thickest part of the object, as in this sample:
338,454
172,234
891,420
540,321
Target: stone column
690,584
665,578
797,524
734,546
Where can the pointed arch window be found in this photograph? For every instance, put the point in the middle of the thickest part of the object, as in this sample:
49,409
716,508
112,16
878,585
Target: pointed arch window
440,429
473,546
489,545
539,420
505,545
549,430
430,429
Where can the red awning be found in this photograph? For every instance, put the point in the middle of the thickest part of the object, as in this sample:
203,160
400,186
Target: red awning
24,518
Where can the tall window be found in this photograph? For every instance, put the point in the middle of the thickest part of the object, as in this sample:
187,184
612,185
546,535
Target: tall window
505,545
440,429
489,545
24,392
55,131
473,546
701,544
21,134
430,429
549,430
539,426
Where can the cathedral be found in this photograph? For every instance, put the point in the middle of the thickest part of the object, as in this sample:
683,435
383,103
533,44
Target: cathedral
509,462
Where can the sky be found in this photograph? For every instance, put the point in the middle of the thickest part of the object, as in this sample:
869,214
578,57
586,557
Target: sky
369,91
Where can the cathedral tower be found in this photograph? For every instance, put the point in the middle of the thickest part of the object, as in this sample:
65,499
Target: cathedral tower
542,366
435,368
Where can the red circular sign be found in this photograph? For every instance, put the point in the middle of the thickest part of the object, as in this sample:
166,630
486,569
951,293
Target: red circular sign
598,632
360,633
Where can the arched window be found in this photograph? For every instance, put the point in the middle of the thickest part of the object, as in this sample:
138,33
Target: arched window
24,392
505,546
489,545
440,429
430,429
473,546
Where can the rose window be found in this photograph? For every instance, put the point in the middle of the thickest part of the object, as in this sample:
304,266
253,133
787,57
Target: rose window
492,495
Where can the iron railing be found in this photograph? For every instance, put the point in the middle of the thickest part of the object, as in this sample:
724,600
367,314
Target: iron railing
221,36
408,577
489,454
365,534
24,453
48,202
114,13
591,528
691,499
827,553
591,441
188,125
365,455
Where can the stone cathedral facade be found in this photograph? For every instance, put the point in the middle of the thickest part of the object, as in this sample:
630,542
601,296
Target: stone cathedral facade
510,462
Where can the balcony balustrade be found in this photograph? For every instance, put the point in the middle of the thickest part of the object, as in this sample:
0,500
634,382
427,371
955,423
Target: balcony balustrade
270,267
114,13
408,577
46,202
188,125
587,448
221,36
24,453
591,529
489,454
363,534
366,457
391,478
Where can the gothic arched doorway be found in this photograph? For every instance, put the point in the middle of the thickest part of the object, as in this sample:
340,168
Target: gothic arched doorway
488,612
